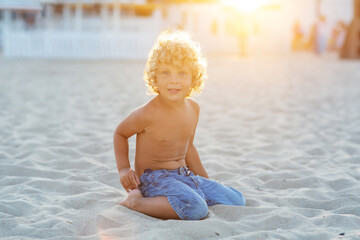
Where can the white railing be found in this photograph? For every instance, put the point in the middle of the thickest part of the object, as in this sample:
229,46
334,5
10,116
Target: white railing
96,44
71,44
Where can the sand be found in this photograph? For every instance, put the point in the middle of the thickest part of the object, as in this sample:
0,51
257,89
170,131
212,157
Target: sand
283,129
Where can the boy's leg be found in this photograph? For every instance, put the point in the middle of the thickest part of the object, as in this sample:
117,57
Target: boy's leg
216,193
158,207
168,197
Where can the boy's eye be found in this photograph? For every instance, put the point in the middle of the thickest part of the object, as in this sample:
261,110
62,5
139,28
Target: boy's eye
165,73
183,73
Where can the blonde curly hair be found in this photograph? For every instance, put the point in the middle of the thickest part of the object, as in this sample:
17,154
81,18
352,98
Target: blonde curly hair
178,49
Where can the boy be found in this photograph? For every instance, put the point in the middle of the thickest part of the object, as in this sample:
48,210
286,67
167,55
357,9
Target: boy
169,180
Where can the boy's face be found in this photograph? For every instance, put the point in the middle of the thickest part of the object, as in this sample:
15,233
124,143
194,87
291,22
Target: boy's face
172,82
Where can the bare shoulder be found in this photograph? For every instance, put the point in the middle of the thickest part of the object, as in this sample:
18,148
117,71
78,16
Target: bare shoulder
143,113
195,106
148,109
136,121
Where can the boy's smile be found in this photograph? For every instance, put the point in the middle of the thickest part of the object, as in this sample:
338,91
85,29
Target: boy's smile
174,91
172,82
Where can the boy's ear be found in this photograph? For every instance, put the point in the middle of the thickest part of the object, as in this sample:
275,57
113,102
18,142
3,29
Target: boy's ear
155,84
192,82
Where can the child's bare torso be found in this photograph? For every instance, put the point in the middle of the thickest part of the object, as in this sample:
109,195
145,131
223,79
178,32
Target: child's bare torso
164,142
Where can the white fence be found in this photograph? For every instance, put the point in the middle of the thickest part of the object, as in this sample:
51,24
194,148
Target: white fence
95,44
67,44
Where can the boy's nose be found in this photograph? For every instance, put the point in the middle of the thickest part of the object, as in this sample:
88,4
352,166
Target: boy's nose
174,79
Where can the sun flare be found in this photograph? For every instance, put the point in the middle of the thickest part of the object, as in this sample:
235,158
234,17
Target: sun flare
246,6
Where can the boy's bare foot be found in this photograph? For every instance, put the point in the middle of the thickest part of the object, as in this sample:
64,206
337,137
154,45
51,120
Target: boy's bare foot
133,199
155,206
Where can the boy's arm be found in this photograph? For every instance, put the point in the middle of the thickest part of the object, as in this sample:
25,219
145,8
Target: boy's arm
192,158
134,123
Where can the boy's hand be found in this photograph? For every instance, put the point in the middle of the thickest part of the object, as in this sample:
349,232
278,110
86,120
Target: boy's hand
128,179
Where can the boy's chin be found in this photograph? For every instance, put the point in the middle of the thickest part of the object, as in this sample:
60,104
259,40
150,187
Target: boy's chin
176,98
173,97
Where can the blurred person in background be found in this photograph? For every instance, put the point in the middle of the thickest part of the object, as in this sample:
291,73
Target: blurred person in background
297,40
320,35
337,37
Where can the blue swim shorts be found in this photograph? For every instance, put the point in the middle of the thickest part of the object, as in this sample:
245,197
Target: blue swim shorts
188,194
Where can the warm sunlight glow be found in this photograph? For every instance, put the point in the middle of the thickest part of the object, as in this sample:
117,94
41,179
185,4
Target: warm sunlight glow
246,6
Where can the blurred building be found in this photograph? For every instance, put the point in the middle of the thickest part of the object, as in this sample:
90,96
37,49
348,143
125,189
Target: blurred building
351,46
18,14
79,29
126,29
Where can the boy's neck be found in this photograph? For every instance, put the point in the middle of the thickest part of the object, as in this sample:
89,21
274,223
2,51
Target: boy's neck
171,104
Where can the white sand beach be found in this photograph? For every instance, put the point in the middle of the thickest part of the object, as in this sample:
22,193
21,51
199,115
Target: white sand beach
282,129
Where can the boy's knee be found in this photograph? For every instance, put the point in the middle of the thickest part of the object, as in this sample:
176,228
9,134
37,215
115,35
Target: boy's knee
189,207
197,210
